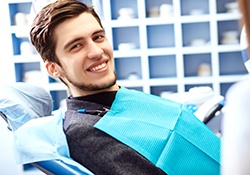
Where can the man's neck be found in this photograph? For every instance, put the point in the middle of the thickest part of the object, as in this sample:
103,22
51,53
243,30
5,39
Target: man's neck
80,93
104,98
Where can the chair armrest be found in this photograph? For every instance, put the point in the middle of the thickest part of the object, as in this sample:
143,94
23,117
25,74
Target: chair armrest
54,167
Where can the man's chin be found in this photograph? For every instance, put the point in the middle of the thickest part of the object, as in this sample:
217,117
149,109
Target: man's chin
98,85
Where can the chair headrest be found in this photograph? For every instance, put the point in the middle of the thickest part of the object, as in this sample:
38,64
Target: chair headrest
21,102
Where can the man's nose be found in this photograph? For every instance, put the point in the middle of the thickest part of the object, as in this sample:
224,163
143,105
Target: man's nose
94,50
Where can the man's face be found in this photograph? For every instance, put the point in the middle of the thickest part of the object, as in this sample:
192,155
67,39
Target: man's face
86,57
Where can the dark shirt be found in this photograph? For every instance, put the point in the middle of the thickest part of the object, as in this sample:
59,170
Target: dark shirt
96,150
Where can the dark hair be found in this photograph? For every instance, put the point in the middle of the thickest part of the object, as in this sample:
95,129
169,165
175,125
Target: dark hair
41,33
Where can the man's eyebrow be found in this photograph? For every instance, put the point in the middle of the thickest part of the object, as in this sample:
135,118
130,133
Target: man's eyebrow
99,31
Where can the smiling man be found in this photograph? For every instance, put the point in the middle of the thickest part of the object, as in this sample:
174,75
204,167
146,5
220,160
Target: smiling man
85,48
110,129
72,42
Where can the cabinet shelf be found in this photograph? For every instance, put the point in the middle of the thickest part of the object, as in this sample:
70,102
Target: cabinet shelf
229,48
195,18
123,54
26,58
228,16
163,81
162,51
196,49
230,79
159,20
198,80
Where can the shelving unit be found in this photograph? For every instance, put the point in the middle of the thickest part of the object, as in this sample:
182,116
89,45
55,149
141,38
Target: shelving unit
169,50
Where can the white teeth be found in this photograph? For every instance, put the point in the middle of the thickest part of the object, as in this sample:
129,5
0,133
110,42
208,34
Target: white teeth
101,66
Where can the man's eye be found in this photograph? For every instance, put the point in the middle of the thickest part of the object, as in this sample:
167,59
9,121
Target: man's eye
99,37
75,46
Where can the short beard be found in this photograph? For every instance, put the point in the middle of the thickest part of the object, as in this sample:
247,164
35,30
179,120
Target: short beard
92,87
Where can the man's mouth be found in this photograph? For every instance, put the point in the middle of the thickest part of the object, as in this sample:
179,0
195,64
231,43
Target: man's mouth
98,67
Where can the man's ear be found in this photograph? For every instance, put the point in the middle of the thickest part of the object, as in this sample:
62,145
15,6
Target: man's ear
53,69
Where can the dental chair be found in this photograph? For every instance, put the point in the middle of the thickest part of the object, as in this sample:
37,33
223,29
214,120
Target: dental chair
20,103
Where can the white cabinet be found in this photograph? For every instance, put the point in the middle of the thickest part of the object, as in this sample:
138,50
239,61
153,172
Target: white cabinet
188,43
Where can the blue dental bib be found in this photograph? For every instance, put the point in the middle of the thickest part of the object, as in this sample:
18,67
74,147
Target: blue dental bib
163,131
